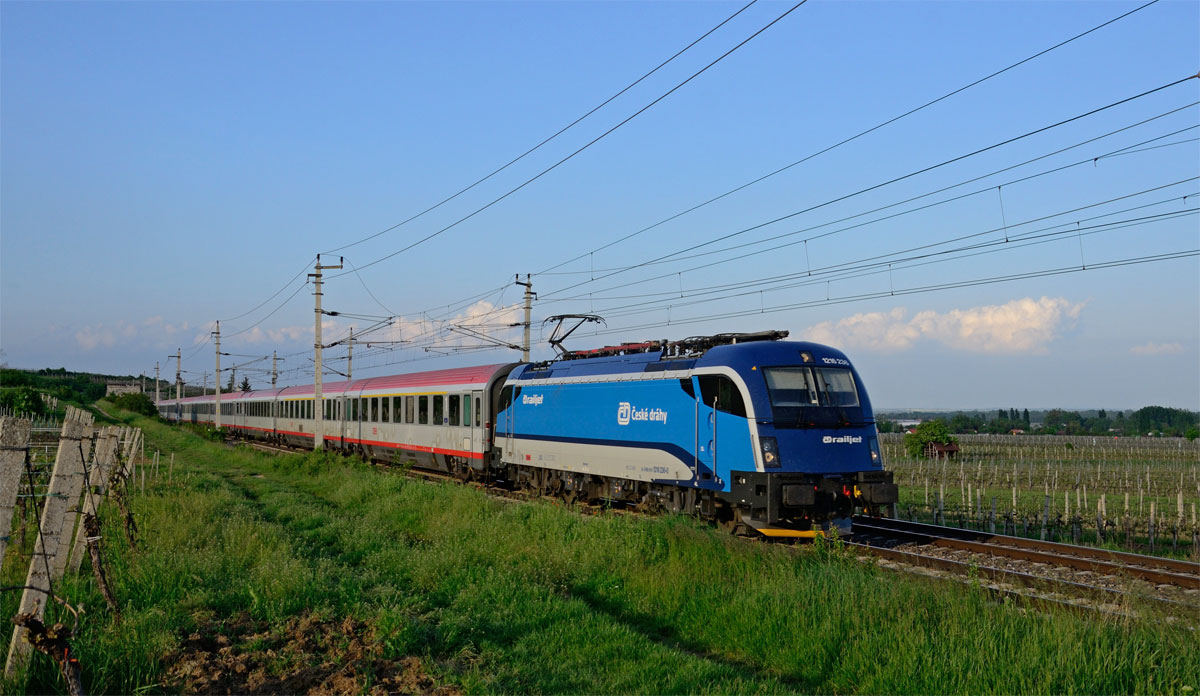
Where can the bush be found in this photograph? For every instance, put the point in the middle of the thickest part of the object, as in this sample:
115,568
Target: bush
927,432
23,401
137,403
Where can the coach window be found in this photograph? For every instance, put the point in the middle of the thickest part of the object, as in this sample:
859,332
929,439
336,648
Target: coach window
466,401
452,408
439,410
409,402
385,410
477,412
726,394
423,410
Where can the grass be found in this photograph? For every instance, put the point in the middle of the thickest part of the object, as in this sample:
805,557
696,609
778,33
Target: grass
501,597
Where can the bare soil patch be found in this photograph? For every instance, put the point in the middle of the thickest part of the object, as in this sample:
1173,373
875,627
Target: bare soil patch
307,655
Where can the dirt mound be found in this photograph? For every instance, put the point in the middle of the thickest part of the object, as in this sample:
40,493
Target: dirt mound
308,655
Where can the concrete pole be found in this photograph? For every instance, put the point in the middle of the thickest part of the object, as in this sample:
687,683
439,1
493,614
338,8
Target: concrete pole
350,356
217,391
274,370
318,411
178,355
14,437
156,395
528,285
65,484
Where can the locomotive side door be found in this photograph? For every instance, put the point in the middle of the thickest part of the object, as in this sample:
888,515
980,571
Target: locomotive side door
706,437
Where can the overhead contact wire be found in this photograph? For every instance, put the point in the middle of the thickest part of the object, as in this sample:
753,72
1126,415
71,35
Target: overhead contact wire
581,149
562,130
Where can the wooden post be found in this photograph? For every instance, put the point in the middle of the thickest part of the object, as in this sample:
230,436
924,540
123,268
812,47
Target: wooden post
14,443
68,467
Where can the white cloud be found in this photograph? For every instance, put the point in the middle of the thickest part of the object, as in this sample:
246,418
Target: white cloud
872,331
92,337
482,317
1157,349
1020,326
106,336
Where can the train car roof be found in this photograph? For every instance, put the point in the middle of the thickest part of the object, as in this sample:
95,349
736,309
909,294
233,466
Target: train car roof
458,376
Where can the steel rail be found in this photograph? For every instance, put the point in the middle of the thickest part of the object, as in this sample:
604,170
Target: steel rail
1096,560
1036,582
1137,559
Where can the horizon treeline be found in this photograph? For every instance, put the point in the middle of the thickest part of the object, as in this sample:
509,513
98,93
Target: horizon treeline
1146,421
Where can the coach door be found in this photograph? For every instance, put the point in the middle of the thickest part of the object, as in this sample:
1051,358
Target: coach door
474,414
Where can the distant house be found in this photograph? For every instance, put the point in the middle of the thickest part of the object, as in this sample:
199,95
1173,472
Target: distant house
940,450
123,388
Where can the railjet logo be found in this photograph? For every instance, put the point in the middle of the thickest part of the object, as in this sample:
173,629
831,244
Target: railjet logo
626,412
844,439
533,400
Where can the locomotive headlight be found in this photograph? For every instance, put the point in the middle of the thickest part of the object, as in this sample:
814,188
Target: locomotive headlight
876,457
770,451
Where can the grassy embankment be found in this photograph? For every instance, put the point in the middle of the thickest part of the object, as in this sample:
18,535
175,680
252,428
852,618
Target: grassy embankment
245,552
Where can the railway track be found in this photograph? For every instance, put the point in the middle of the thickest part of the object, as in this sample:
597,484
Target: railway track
1023,574
1152,569
1098,578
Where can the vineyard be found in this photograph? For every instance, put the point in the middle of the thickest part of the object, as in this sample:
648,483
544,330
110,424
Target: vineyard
1132,493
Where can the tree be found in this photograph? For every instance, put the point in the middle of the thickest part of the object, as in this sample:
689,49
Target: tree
1025,417
232,376
136,402
245,384
927,432
1192,433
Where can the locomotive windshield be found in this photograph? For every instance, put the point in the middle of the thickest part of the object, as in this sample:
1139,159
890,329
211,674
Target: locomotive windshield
811,394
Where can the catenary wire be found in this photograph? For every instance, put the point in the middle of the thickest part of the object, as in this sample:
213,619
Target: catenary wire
886,183
595,140
562,130
853,137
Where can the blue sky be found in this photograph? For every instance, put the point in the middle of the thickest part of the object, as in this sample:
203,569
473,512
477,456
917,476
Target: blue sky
165,165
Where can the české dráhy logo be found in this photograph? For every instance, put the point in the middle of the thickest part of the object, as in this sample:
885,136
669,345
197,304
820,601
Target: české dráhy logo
626,413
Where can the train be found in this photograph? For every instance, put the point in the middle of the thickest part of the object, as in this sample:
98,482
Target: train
758,434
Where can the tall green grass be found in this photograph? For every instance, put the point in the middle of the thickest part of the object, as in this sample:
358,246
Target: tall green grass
504,597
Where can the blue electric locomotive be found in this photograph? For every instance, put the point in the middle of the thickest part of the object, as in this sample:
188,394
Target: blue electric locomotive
749,430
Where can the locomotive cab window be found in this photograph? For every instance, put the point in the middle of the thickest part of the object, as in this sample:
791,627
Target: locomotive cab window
506,399
724,392
793,387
